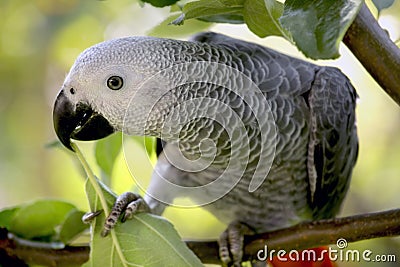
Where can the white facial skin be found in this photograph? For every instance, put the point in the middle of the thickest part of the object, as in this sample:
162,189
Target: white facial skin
130,62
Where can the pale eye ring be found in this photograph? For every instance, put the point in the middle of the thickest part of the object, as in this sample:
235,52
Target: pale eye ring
115,82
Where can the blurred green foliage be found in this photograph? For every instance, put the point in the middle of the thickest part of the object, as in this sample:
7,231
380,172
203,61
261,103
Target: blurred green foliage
39,41
315,27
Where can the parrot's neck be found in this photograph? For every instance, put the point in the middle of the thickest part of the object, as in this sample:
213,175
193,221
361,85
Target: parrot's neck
204,106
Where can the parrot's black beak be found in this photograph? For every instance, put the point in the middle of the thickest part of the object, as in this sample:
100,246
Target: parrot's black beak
78,122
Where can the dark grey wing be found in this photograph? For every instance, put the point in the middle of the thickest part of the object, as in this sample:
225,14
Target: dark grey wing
333,144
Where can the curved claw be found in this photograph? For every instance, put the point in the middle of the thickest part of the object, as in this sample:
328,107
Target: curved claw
89,216
138,205
231,243
128,203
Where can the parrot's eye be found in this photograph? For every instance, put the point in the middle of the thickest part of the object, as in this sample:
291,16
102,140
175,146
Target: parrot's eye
115,82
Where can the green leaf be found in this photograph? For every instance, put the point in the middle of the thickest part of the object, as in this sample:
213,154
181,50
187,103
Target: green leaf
317,26
225,18
72,226
382,4
40,218
207,9
146,240
107,150
261,16
160,3
7,216
165,29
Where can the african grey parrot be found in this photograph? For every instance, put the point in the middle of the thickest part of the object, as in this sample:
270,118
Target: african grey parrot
266,140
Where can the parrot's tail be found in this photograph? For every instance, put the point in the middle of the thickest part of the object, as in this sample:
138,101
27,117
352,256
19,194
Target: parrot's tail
315,257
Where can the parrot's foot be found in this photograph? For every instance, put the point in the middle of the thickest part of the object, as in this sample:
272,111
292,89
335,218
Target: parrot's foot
127,204
231,243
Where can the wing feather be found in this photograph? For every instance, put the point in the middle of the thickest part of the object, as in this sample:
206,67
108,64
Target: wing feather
333,145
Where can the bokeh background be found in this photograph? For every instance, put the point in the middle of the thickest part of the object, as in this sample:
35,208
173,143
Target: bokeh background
39,41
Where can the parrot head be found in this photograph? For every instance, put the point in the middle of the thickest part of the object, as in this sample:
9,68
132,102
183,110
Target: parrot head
97,90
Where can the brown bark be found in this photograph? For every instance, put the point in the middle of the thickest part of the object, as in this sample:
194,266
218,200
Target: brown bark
372,46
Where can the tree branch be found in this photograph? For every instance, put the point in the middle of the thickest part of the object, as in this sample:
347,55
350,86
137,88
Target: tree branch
301,236
14,249
375,50
310,234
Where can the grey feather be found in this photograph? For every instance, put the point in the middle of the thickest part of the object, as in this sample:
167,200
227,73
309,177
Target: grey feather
317,141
